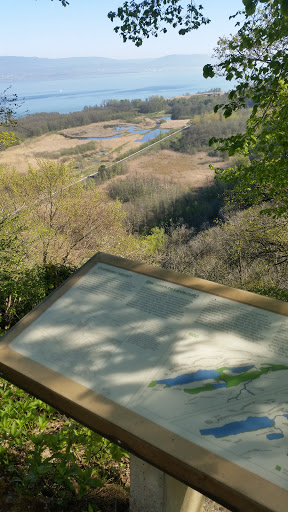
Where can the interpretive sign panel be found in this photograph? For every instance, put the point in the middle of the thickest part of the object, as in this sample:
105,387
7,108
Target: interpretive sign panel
188,374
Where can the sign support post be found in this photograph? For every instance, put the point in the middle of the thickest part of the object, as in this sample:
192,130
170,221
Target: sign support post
152,489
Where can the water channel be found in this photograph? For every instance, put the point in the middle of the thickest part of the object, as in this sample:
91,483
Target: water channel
147,134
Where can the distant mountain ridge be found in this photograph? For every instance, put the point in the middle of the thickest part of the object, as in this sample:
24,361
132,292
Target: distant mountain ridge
33,68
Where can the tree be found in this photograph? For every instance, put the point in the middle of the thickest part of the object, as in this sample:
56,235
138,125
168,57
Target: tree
59,221
63,2
145,19
257,58
48,226
15,283
139,20
64,221
8,106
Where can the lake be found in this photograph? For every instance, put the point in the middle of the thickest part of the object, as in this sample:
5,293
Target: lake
65,95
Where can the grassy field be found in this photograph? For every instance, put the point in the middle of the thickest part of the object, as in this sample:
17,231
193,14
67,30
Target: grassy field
190,170
52,145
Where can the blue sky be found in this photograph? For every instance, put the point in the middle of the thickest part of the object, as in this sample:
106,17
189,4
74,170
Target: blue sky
41,28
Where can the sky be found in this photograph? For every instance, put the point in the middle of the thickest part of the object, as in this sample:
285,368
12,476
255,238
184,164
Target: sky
42,28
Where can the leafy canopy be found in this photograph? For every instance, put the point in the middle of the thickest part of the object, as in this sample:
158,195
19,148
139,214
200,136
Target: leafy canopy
139,20
63,2
8,106
257,58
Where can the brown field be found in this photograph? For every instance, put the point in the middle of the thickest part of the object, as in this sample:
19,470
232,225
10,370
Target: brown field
190,170
31,150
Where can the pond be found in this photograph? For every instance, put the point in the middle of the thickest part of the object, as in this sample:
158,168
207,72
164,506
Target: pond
148,134
97,138
152,134
130,129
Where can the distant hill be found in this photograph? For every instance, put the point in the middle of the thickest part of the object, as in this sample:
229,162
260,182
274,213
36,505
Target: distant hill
25,68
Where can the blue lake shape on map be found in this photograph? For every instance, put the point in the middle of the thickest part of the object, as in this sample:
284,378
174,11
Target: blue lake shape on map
241,369
188,378
275,435
251,424
239,427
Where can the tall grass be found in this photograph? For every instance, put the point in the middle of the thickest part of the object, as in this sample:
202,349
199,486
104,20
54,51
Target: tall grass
76,150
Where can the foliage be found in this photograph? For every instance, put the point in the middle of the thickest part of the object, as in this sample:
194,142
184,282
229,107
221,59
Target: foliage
12,253
256,57
8,139
63,2
42,449
155,241
149,17
153,13
247,250
67,152
266,175
150,203
190,106
49,225
107,173
62,222
8,106
23,284
250,6
202,127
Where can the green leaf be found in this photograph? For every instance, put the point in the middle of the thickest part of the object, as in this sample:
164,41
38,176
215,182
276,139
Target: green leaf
227,112
284,8
250,8
13,429
208,71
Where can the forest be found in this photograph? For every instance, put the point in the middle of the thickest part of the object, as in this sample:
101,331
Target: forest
233,232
